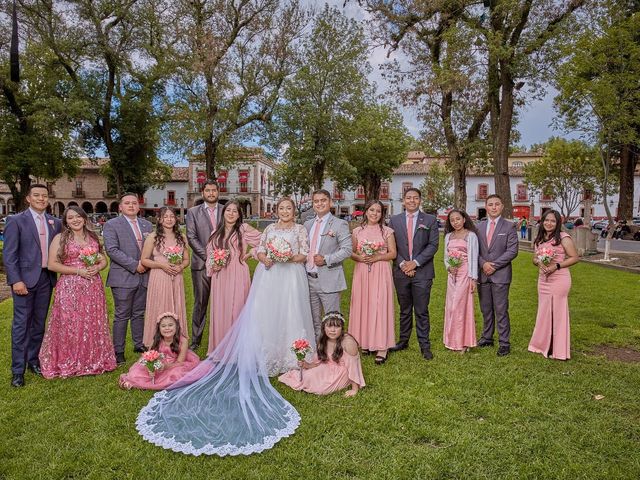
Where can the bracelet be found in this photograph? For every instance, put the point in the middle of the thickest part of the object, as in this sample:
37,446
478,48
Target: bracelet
558,267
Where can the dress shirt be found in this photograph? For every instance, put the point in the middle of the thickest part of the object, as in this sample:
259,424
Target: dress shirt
321,226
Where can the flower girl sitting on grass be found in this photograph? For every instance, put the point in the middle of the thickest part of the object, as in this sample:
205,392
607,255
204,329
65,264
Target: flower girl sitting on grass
335,366
168,360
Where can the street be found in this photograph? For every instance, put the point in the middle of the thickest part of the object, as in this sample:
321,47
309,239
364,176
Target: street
630,246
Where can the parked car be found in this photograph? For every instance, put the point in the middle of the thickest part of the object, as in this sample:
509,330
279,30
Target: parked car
600,225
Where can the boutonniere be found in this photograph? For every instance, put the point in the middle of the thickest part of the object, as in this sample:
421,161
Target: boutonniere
422,226
50,222
145,234
330,233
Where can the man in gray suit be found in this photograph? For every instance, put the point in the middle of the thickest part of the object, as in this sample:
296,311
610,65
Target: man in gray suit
329,246
417,239
498,242
202,221
123,240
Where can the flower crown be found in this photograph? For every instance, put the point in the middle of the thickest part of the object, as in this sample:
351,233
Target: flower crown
167,314
330,315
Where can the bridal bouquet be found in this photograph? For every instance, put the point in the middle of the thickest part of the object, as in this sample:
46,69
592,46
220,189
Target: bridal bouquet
219,258
545,255
301,348
279,250
370,248
173,254
152,359
454,260
89,256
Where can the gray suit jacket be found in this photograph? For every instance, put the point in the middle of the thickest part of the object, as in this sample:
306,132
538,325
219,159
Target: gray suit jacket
503,249
425,243
198,232
335,247
122,247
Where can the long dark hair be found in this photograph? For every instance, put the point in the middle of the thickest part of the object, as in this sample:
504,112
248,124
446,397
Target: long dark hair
159,243
218,236
67,233
175,341
468,223
332,319
542,234
369,204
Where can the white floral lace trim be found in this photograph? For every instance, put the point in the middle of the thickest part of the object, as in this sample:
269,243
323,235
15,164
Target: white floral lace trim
145,428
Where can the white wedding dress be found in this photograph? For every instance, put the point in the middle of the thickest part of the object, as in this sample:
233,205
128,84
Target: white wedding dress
227,405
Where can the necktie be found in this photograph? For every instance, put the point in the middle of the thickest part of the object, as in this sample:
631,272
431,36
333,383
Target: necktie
136,230
212,217
42,233
314,243
410,233
492,227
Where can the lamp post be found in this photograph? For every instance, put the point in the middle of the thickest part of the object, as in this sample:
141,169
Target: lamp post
532,197
181,209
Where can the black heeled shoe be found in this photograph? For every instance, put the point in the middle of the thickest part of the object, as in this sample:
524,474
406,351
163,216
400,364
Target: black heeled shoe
380,360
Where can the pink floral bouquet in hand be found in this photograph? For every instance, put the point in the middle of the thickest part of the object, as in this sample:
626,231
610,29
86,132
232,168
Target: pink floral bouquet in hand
219,258
89,256
545,256
279,250
152,359
174,254
369,248
454,260
301,348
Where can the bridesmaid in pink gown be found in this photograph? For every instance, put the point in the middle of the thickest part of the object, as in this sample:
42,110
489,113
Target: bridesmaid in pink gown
229,284
177,361
165,292
335,365
77,341
551,335
371,315
460,241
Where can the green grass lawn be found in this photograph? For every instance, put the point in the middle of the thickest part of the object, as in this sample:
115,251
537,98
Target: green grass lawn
458,416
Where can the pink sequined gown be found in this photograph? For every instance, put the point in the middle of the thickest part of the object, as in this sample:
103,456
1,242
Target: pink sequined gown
459,320
551,335
164,294
77,341
138,375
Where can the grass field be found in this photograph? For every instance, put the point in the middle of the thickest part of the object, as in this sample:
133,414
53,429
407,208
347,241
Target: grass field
458,416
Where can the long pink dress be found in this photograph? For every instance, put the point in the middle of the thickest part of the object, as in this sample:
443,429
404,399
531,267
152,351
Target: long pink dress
138,375
77,341
229,286
164,294
327,377
371,314
551,335
459,318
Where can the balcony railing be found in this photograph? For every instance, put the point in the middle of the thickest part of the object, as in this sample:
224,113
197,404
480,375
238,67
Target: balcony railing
481,197
170,202
520,198
78,194
107,194
52,193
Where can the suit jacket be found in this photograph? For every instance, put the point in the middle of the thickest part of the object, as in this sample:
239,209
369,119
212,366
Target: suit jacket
335,247
503,249
425,243
22,254
121,245
198,232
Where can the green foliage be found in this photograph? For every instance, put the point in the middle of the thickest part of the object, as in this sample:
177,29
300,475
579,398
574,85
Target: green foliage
437,189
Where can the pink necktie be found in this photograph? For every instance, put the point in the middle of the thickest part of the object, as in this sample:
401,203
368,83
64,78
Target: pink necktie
492,227
136,230
314,242
410,233
212,217
42,233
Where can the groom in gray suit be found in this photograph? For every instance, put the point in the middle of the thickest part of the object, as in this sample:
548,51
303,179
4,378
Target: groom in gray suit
123,240
202,220
498,242
329,246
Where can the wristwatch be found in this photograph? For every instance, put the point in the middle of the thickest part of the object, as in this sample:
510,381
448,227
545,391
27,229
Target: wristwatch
558,267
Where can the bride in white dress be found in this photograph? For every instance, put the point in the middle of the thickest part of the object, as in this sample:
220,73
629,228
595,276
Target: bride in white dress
227,405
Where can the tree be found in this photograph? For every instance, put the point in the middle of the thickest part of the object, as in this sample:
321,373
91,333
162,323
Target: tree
377,144
437,189
567,170
321,98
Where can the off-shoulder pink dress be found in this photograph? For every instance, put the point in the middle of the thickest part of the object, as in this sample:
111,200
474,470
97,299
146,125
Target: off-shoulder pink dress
138,375
371,314
551,335
328,377
229,286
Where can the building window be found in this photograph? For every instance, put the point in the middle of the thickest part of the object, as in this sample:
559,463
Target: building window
384,190
587,194
141,199
544,197
78,189
337,193
360,192
243,178
483,191
518,164
222,180
171,197
406,186
521,193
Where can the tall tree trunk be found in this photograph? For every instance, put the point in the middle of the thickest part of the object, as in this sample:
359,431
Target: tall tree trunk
459,169
628,163
210,156
318,172
371,186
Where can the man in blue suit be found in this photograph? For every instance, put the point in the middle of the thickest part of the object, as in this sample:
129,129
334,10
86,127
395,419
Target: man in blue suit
26,253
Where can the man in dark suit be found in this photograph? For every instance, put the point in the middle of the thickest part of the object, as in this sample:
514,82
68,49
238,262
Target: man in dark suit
417,240
128,278
202,221
498,242
26,253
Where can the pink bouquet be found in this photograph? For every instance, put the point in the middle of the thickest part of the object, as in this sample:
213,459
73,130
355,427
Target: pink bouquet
219,258
89,256
152,359
454,260
279,250
545,255
301,348
370,248
174,254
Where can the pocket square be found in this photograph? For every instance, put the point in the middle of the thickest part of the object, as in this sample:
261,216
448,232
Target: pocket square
501,234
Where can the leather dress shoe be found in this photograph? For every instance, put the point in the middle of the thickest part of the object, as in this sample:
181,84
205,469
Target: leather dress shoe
503,351
120,360
399,346
426,353
141,349
17,380
35,369
194,346
485,343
